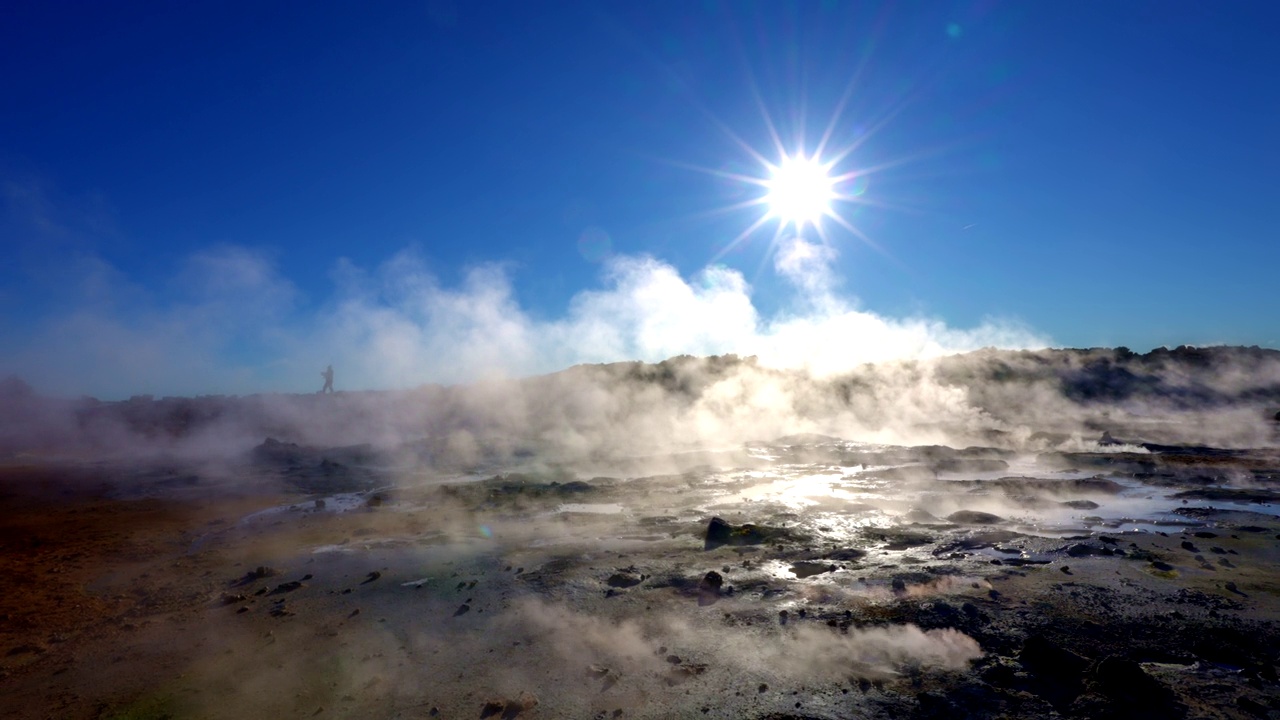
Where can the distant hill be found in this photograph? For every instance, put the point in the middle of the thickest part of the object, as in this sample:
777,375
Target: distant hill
1228,395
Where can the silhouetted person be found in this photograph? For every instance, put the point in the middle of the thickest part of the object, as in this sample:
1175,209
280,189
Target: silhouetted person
328,380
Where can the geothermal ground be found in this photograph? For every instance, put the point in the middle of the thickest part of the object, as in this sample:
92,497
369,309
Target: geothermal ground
801,577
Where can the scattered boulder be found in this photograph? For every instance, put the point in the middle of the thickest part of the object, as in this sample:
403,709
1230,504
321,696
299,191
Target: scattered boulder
508,708
709,588
1058,672
845,554
721,533
288,587
803,570
898,538
625,578
1127,684
1082,550
974,517
258,573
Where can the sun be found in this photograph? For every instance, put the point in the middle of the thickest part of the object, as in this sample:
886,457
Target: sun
803,189
800,191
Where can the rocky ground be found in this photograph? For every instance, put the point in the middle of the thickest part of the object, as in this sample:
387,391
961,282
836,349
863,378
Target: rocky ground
807,577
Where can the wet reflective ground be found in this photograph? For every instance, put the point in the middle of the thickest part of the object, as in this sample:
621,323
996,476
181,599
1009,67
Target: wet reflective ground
804,577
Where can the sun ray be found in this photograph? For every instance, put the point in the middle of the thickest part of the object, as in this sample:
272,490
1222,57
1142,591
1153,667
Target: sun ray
738,177
862,236
741,236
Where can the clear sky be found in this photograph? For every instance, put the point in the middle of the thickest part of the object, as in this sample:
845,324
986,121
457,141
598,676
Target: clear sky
226,196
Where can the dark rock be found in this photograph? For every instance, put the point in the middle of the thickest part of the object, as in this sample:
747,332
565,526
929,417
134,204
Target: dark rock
462,610
808,569
1188,545
286,587
845,554
1106,440
973,517
1205,534
1125,682
1020,486
1059,673
721,533
258,573
899,539
709,588
508,709
371,577
1081,504
624,579
1081,550
1256,495
1249,705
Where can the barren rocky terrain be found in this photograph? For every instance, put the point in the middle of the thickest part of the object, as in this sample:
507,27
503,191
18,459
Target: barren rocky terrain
1084,570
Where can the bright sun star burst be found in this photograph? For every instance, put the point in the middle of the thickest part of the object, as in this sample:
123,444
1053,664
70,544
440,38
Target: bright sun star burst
805,189
800,190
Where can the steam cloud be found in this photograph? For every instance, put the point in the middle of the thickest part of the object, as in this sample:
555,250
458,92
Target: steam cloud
240,326
795,653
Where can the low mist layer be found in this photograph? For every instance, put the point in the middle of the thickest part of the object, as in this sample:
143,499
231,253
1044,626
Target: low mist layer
234,323
1033,399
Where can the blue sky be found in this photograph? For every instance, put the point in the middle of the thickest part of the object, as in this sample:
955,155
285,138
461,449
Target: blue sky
216,197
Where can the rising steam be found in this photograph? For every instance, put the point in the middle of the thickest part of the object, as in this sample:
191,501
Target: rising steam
240,327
